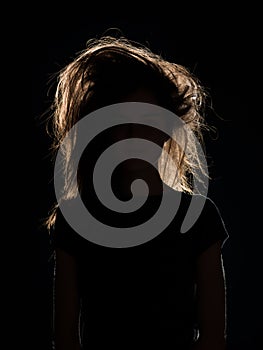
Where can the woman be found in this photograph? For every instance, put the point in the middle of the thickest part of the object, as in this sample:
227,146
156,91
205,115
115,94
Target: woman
168,292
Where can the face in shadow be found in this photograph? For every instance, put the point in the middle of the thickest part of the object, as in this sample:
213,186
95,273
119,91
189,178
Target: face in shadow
131,131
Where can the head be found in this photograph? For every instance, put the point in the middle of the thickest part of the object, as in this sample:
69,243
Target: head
111,70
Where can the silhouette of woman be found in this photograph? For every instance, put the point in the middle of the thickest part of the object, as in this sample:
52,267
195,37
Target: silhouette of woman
168,292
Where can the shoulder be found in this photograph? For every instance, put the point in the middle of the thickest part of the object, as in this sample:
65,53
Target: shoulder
197,206
63,235
210,226
200,219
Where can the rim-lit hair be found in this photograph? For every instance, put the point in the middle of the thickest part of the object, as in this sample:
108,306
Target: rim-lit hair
105,72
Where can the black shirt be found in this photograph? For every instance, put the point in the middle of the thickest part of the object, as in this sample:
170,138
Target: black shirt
142,295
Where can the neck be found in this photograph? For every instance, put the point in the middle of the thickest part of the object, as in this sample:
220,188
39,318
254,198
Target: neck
123,180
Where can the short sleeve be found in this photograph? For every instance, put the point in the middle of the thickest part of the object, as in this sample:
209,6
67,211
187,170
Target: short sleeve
209,228
64,237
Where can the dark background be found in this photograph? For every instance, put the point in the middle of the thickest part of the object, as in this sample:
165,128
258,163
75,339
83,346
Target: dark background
221,49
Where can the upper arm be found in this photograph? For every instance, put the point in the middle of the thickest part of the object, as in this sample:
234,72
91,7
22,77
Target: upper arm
66,302
211,294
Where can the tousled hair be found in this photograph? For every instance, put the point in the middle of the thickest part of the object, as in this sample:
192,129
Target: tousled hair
105,72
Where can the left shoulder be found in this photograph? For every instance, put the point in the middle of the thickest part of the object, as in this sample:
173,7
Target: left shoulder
209,228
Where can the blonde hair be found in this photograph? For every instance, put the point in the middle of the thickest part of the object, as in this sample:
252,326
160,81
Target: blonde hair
110,67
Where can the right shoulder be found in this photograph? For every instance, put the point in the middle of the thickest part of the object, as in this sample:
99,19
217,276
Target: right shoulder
63,235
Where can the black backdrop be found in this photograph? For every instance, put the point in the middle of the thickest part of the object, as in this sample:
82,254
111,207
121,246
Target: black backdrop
221,50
